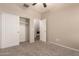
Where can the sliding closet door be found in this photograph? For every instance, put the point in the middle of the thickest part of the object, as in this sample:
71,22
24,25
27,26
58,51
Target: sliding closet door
10,30
24,32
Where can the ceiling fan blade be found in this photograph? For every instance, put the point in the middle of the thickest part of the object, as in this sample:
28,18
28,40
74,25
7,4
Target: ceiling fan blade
44,4
25,5
34,4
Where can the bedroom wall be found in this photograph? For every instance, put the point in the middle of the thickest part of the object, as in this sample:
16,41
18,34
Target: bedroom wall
0,29
63,25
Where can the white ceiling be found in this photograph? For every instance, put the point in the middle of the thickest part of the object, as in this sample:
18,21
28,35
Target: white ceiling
39,7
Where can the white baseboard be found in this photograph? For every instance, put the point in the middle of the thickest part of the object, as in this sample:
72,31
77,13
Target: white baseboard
64,46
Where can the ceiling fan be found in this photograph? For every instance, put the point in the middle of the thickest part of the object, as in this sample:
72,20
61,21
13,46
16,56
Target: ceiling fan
44,4
26,5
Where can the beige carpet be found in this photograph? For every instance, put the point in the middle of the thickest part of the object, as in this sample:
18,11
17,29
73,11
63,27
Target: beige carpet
37,49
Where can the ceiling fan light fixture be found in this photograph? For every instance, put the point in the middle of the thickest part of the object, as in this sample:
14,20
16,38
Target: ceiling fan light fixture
25,5
44,4
34,4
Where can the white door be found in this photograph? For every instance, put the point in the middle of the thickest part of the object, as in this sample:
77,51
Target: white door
23,32
43,30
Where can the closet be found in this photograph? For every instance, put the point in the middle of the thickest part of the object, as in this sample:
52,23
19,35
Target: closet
24,29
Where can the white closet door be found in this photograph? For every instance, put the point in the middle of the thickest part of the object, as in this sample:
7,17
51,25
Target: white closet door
23,32
43,30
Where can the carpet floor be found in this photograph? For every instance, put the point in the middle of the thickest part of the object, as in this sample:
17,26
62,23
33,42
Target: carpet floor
37,49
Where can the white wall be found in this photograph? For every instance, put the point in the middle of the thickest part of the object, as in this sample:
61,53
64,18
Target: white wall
36,24
10,28
0,30
63,26
31,31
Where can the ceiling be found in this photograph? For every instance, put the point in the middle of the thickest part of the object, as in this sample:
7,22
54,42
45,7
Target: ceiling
39,7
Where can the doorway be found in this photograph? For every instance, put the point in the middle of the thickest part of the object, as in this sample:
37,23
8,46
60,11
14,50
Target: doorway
37,30
24,29
40,30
